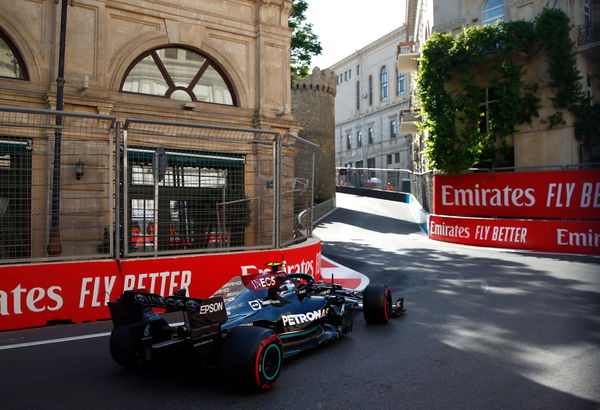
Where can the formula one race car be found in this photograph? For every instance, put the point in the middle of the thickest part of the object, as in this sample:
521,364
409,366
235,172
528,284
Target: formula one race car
274,316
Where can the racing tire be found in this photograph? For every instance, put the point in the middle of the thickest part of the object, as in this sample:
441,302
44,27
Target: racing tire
252,357
123,347
127,349
377,304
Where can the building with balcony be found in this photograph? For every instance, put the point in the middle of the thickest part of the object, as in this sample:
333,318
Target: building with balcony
372,95
535,144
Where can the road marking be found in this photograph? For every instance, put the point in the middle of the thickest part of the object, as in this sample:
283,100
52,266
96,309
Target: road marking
62,339
50,341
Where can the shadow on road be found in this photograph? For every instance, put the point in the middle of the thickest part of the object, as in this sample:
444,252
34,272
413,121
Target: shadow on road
536,321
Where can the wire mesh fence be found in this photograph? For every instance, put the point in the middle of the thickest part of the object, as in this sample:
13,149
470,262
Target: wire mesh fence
197,187
146,187
297,186
398,180
56,184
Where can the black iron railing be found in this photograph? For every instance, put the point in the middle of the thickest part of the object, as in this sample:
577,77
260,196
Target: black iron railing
588,33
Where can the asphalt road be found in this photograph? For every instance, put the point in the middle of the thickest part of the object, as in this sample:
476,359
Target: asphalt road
485,328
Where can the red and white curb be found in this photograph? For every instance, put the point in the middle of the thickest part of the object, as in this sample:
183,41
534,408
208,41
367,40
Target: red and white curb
348,278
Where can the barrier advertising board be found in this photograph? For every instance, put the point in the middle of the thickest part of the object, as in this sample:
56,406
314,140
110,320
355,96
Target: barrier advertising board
540,235
33,295
557,194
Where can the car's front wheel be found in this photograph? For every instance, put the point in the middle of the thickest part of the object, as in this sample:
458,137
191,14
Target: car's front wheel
377,304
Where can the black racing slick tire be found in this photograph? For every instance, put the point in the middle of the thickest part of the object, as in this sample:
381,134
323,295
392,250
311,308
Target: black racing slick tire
377,304
252,357
127,342
123,347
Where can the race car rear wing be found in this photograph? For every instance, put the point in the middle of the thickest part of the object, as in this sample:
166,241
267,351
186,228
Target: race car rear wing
129,307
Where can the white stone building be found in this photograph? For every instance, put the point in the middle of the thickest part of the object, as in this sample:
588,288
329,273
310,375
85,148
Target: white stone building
370,96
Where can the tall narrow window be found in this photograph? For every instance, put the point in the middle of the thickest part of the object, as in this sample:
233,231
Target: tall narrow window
358,95
493,10
384,83
358,139
371,164
586,13
400,83
11,63
393,129
371,135
484,110
348,141
370,90
179,74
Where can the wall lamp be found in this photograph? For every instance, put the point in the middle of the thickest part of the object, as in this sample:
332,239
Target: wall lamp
79,169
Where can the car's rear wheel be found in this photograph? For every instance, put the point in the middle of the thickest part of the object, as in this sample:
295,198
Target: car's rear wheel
377,304
126,344
252,357
123,347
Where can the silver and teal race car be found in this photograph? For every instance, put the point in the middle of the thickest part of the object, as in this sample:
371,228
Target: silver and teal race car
273,315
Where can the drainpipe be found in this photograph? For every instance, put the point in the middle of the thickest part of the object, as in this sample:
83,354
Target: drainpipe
54,247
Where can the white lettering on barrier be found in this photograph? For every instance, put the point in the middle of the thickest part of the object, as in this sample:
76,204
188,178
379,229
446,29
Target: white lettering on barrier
33,299
477,196
167,282
302,267
584,239
586,195
99,288
509,234
453,231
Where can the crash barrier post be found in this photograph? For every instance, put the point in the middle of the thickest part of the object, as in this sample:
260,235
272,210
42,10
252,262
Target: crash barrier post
147,187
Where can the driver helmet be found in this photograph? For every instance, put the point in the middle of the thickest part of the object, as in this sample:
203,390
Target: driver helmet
287,287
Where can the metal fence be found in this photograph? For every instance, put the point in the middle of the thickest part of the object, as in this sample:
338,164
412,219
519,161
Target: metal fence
376,178
33,184
146,187
297,187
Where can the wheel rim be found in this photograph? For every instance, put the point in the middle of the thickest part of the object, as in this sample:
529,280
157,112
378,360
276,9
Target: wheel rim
271,362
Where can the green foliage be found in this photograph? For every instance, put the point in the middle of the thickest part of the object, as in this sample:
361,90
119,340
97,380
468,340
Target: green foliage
305,43
553,29
451,99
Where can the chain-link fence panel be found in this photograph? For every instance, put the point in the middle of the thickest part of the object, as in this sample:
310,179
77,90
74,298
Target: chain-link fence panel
398,180
296,186
197,188
56,185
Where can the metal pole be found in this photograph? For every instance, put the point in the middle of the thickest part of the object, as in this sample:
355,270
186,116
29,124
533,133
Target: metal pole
117,228
277,193
54,247
311,198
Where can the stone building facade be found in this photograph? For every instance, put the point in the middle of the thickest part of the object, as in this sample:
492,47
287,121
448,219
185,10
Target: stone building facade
248,42
371,96
535,144
219,62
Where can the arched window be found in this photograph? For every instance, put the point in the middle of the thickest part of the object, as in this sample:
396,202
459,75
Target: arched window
180,74
384,83
493,10
11,62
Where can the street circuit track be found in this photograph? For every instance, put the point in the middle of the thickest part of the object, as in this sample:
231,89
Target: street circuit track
485,328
